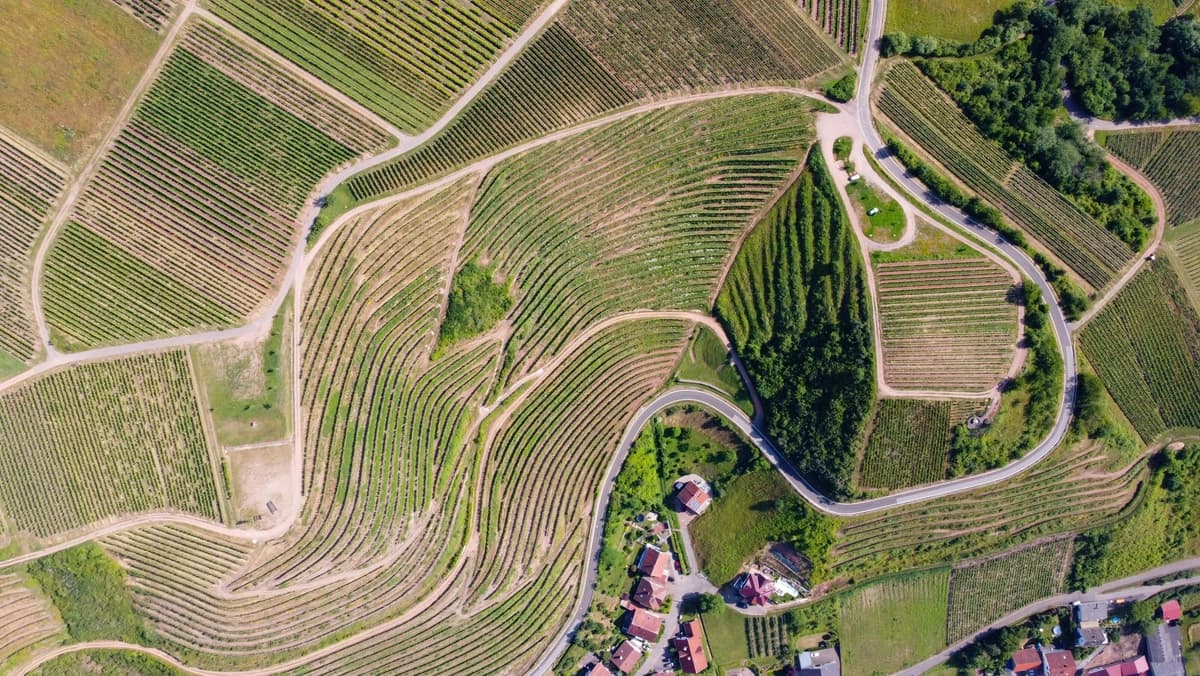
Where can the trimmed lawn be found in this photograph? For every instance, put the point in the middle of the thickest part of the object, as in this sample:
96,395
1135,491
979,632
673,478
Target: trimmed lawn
66,68
887,225
894,623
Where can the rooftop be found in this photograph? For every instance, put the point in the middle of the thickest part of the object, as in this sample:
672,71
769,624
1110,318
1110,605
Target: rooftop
654,562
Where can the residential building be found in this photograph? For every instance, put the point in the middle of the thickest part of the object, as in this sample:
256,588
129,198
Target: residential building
689,646
1088,619
1164,648
1058,663
1137,666
755,588
654,562
1171,611
1025,662
643,624
598,669
822,662
694,497
626,657
650,593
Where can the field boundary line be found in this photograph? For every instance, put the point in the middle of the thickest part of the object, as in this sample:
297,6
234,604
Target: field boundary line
12,138
295,70
66,206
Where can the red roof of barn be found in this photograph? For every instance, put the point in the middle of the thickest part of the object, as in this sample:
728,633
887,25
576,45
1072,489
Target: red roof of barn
1171,611
654,562
626,657
643,624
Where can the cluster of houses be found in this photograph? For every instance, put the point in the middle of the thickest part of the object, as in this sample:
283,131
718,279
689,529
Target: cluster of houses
1163,654
642,623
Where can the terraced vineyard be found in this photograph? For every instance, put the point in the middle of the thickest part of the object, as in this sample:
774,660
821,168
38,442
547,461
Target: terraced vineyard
154,13
1145,346
553,83
104,439
984,591
1168,158
946,325
1069,491
908,444
197,199
27,620
1185,243
915,105
842,20
581,239
406,66
29,188
658,46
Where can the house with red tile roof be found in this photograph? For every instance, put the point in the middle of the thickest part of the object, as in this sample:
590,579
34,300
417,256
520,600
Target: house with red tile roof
755,588
1025,661
689,646
1171,611
654,562
1137,666
694,497
650,593
599,669
1058,663
626,657
643,624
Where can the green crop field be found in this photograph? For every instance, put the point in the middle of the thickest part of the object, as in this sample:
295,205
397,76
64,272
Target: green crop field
66,68
914,104
405,66
29,188
559,221
894,623
737,525
946,324
908,444
1184,242
132,424
1168,159
28,619
1145,346
982,592
196,200
1074,488
658,46
553,83
843,20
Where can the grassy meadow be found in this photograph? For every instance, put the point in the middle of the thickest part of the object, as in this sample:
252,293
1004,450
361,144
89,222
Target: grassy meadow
66,68
894,623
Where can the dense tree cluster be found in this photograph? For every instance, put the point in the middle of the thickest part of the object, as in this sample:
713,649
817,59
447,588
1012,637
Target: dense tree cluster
476,303
1115,61
797,308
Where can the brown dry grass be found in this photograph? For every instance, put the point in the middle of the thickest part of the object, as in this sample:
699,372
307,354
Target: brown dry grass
66,67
